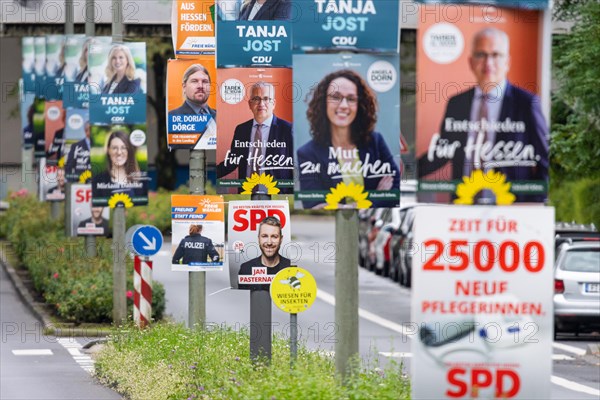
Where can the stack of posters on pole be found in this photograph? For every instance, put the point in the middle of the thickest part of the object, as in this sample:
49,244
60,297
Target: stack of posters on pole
85,218
76,151
258,242
76,79
51,183
482,302
191,104
54,128
55,67
347,130
482,137
198,225
39,72
255,142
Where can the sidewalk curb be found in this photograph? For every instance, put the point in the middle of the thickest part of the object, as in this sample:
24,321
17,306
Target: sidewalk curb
593,349
49,328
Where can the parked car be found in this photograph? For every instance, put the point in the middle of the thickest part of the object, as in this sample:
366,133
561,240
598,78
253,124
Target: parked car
383,254
577,287
369,224
570,232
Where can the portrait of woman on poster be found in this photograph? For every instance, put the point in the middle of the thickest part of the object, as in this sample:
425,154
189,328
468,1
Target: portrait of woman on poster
120,72
122,168
83,72
265,10
342,114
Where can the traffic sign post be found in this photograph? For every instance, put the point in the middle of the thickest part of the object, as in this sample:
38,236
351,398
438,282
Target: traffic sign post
293,290
146,240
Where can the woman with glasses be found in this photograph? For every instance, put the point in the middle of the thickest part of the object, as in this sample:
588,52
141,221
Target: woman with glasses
122,174
344,147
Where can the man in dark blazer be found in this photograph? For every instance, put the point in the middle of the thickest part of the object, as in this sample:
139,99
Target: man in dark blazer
494,125
275,138
78,159
196,88
265,10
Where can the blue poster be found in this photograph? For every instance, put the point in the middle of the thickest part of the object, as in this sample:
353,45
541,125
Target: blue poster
250,43
55,67
28,63
347,130
344,24
27,113
76,77
39,65
76,151
117,83
524,4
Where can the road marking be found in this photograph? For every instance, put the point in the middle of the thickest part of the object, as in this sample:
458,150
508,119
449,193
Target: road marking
574,386
396,354
561,357
571,349
73,347
33,352
369,316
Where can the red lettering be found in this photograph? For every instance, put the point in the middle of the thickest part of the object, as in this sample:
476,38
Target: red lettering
480,378
83,195
246,219
430,265
513,377
454,379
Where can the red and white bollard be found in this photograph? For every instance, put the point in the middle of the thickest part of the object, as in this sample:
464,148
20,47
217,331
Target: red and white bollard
142,296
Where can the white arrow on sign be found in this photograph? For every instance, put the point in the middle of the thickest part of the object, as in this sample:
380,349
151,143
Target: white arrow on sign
150,245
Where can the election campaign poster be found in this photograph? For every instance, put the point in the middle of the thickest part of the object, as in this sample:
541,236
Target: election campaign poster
28,63
193,28
258,242
529,4
255,42
117,82
482,137
255,141
76,86
54,128
191,104
85,218
51,182
353,25
55,66
198,226
76,150
36,119
39,65
119,161
347,130
482,302
27,110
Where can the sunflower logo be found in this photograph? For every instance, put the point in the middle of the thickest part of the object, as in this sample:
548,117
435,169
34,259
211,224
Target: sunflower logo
61,162
85,176
347,194
122,198
478,181
262,183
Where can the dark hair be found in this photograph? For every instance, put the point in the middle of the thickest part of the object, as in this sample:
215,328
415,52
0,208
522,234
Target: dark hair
195,229
270,221
366,118
132,168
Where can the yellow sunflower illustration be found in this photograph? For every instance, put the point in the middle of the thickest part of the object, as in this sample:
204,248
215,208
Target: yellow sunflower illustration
352,193
61,162
120,198
478,181
262,183
85,176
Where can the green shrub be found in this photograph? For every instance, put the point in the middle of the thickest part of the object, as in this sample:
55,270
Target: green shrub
577,201
170,362
79,287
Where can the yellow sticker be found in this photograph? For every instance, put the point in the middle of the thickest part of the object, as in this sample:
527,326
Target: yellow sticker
293,290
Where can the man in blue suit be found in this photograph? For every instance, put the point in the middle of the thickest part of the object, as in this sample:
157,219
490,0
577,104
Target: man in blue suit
262,144
265,10
196,88
494,125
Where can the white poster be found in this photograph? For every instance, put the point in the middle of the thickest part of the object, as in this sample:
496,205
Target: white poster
258,242
482,301
86,219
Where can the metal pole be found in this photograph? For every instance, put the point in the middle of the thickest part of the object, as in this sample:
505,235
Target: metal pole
197,279
293,338
260,315
119,274
346,290
68,209
69,17
90,18
90,245
55,209
117,22
28,170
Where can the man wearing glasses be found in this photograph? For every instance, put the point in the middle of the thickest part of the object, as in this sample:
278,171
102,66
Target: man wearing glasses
262,144
494,125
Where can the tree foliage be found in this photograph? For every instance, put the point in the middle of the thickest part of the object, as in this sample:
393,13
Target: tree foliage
575,142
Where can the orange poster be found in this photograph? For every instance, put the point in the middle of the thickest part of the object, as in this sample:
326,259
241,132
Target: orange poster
193,27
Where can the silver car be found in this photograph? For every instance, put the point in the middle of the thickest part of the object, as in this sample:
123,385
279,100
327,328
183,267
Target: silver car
577,287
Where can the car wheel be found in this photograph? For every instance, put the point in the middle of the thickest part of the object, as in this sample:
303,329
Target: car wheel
386,269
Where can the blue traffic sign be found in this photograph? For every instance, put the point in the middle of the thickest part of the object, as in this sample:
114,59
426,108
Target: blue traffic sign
147,240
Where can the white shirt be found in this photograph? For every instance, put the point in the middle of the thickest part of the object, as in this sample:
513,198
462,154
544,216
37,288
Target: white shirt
254,11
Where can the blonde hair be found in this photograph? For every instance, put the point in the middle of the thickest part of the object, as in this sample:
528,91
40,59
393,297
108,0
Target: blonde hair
83,62
130,71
